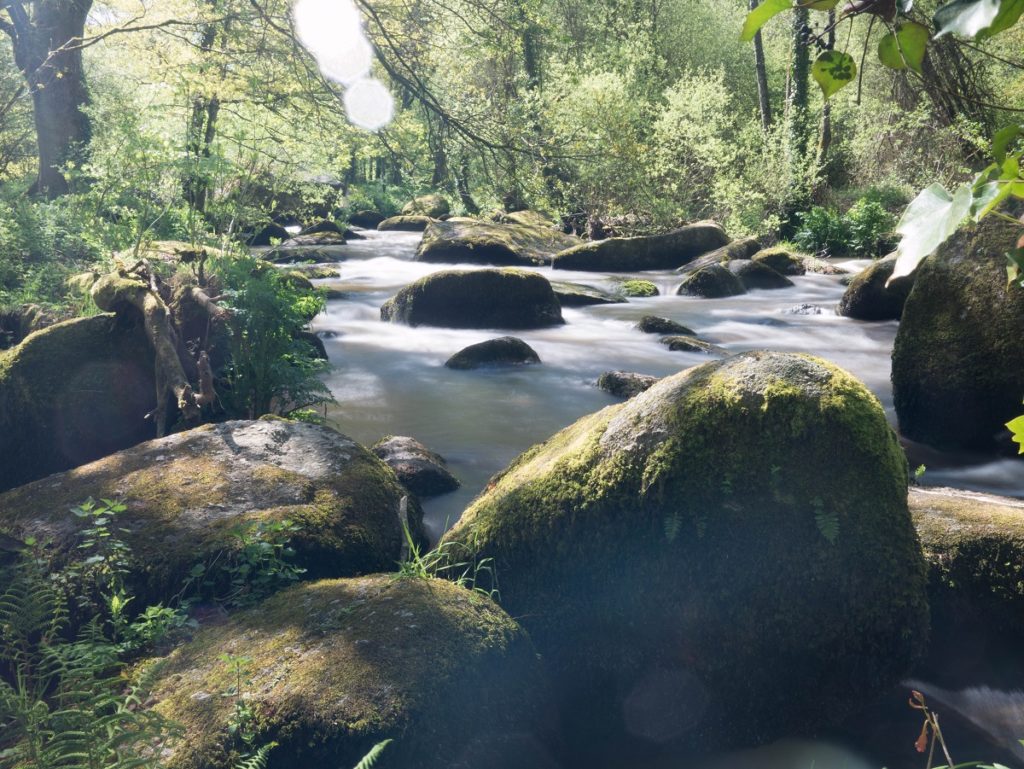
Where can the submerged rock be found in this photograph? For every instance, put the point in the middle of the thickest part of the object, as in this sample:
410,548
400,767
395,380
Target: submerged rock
757,275
625,384
187,493
958,361
419,469
405,223
660,551
433,205
579,295
74,392
478,242
649,252
652,324
504,351
476,299
867,296
336,666
712,282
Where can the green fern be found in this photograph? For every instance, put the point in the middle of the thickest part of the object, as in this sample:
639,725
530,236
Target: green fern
371,758
257,760
673,523
827,521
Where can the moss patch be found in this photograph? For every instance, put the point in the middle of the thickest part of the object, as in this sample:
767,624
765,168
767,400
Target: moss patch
638,288
478,242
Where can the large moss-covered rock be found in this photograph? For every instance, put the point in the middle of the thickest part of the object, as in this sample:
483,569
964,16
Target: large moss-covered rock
187,493
712,282
433,205
757,275
782,260
958,364
725,558
868,298
336,666
526,216
366,219
478,242
649,252
73,392
737,249
974,546
578,295
503,351
405,223
638,288
477,299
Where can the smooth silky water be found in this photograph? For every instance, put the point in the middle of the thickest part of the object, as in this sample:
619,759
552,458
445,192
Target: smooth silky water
390,379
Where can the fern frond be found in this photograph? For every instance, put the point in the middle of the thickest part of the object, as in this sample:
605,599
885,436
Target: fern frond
371,758
257,760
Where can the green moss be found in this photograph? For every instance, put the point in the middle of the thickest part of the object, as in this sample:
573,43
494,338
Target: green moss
339,665
479,242
638,288
685,524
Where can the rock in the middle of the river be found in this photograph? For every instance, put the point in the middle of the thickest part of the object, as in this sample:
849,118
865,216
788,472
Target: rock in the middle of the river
506,298
725,558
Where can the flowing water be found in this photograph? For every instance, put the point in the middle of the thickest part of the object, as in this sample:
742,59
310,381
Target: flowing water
390,379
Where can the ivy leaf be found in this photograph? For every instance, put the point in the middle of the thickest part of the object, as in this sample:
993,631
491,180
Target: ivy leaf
929,220
758,17
1002,140
967,17
905,47
833,70
1016,427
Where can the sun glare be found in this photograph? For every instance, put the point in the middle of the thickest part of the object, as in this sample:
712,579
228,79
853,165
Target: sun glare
332,31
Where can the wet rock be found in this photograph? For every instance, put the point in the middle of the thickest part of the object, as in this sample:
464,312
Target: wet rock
187,493
419,469
652,324
757,275
958,364
504,351
868,297
579,295
743,248
405,223
650,252
337,666
783,261
691,344
625,384
272,233
322,226
761,506
316,271
638,288
314,341
320,238
712,282
506,298
805,309
366,219
474,241
434,206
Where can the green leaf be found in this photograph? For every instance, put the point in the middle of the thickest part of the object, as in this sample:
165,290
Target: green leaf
977,18
833,70
1015,265
1016,427
1009,13
1002,140
758,17
820,5
905,47
929,220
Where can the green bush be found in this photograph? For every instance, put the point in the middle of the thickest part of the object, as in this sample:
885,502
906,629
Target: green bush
865,230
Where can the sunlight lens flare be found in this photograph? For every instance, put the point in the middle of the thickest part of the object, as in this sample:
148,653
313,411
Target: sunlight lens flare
347,63
325,25
369,104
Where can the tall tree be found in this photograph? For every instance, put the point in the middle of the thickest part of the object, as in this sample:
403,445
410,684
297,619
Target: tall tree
45,36
763,97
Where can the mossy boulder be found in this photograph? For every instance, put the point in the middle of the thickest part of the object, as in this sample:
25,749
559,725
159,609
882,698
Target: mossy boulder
782,260
578,295
322,226
506,298
504,351
638,288
652,324
974,546
743,248
269,235
188,493
319,238
337,666
958,364
73,392
649,252
316,271
474,241
725,558
526,216
405,223
758,275
685,343
625,384
712,282
366,219
435,206
420,470
868,298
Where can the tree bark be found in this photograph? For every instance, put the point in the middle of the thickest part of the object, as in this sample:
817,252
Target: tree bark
46,52
763,96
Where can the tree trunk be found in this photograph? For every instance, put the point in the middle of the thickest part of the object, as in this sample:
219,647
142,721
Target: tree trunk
825,138
47,55
763,96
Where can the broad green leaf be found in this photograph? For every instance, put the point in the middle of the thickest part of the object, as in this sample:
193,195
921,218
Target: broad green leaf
968,17
820,5
833,70
905,47
1016,427
1001,141
994,186
929,220
758,17
1009,13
